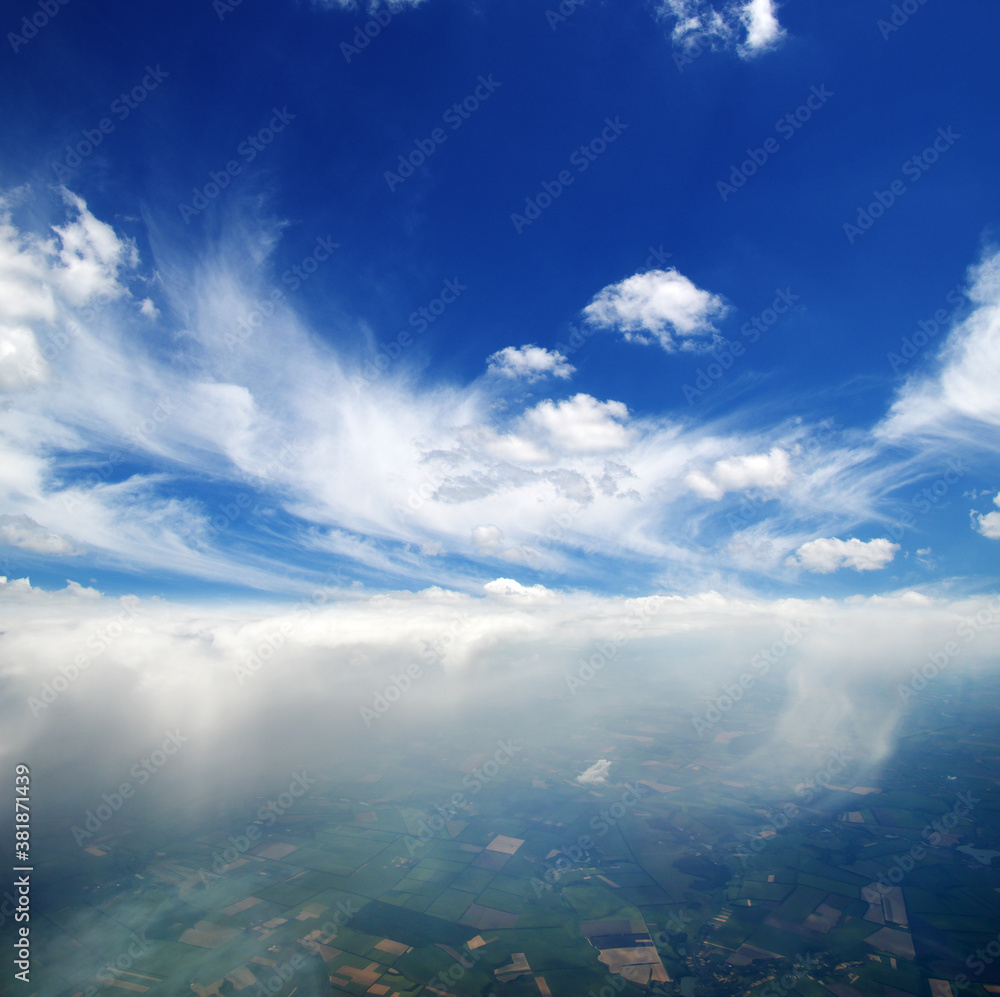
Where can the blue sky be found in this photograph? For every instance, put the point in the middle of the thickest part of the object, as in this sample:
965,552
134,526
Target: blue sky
664,338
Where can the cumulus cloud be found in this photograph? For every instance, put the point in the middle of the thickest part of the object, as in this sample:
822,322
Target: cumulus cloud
761,22
960,395
581,424
750,25
828,554
737,474
529,363
509,588
989,523
662,304
596,775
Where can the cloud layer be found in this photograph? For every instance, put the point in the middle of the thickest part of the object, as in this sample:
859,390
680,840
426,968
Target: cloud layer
207,460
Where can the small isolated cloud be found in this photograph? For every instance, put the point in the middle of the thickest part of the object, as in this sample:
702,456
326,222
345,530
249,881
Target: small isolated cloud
580,425
988,524
487,538
149,309
828,554
751,25
762,27
737,474
24,532
530,363
596,775
663,304
509,588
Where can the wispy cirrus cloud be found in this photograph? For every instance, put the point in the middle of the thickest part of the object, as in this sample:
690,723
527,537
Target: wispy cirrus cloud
211,461
750,26
958,396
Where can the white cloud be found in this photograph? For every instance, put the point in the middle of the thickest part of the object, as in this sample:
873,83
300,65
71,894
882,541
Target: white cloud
751,25
596,775
828,554
487,538
737,474
22,364
580,425
848,660
762,27
149,309
989,523
532,363
660,303
509,588
962,392
373,472
90,256
24,532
